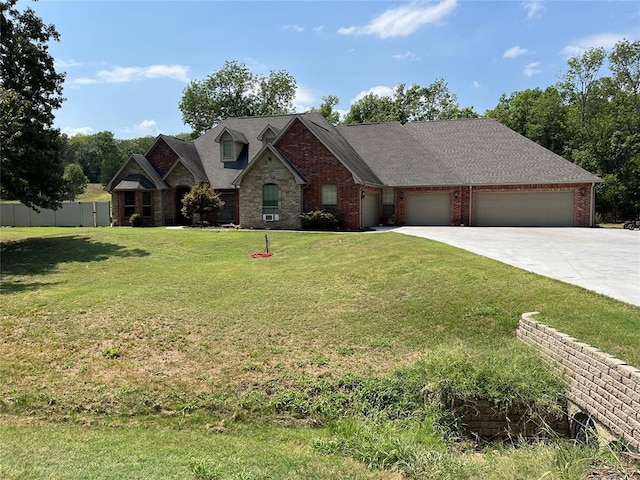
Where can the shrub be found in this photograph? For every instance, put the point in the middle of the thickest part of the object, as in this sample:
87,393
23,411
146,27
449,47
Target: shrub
135,220
201,200
320,219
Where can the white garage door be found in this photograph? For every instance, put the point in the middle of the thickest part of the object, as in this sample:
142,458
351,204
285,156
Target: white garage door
370,210
428,209
524,209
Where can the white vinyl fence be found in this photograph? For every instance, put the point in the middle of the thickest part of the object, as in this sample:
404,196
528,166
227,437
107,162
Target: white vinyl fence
71,214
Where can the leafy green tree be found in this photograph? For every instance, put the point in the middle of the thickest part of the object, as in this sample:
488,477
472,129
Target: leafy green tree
416,103
76,180
371,108
590,119
326,109
98,154
624,62
540,115
30,91
233,91
200,201
580,76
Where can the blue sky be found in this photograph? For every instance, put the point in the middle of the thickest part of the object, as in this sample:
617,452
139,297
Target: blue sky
128,62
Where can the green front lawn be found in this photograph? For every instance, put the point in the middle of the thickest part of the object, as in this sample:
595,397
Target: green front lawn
178,329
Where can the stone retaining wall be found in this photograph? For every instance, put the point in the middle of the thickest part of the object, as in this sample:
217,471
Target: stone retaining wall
603,387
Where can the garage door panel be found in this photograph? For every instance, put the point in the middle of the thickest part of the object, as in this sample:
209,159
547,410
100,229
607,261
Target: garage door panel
428,209
524,209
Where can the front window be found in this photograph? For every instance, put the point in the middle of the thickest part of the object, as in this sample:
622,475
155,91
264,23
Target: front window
330,196
388,202
129,204
146,204
270,198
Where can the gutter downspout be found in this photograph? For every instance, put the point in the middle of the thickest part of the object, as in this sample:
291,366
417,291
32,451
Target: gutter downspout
592,210
470,205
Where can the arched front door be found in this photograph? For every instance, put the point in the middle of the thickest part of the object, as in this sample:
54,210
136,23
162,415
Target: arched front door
180,219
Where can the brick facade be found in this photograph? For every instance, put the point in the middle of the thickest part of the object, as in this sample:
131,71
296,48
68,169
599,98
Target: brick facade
605,388
320,167
359,204
162,157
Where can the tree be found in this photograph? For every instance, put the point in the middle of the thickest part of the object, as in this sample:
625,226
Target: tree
580,77
417,103
326,109
233,91
76,180
98,154
624,62
200,201
592,121
538,115
30,91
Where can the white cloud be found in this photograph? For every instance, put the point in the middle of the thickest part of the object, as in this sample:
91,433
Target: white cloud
531,69
515,52
66,63
130,74
295,28
318,29
406,56
380,91
476,84
605,40
72,132
404,20
305,99
534,9
145,128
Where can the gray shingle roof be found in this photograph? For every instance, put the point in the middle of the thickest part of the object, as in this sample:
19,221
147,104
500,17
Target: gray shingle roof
150,173
344,151
482,151
437,153
187,152
396,157
222,175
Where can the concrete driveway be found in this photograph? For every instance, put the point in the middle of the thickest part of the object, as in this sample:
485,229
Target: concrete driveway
606,261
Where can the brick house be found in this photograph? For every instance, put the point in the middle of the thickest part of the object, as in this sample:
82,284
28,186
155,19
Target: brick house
269,170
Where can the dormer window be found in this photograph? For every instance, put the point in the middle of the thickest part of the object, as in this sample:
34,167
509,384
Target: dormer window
268,134
231,144
228,149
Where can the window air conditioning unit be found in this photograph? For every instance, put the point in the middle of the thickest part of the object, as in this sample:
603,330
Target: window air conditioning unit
270,217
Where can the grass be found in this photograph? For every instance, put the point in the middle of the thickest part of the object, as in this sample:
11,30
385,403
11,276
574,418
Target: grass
168,331
95,193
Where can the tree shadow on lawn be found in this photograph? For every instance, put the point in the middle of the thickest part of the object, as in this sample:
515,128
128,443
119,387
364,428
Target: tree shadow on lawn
39,256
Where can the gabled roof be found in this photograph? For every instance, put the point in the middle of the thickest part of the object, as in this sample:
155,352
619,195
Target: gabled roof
339,147
397,158
150,173
266,129
187,156
482,151
222,174
236,136
298,177
135,182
